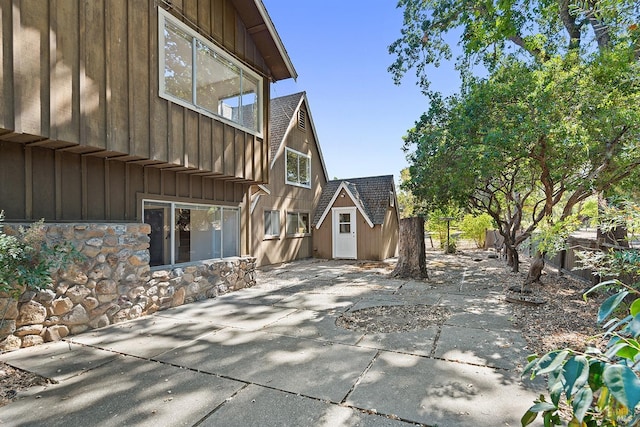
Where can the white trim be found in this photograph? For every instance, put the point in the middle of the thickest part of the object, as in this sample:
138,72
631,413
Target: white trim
276,38
165,16
291,126
335,226
264,188
286,178
343,186
254,203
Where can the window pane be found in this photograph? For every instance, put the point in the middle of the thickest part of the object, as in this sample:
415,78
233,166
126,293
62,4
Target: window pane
201,245
230,232
178,66
249,99
292,223
216,226
303,223
158,216
303,170
267,223
292,167
182,234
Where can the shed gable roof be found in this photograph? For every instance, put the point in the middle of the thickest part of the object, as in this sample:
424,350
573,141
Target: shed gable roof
370,195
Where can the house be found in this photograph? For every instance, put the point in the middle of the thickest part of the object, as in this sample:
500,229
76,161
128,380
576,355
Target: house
139,111
136,129
282,209
357,219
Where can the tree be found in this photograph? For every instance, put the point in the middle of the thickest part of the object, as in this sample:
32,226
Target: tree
407,204
555,120
412,260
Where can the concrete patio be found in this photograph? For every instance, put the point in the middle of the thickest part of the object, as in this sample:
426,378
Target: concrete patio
272,355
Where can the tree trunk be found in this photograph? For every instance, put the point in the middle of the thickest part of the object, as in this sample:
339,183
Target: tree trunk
412,260
513,259
535,270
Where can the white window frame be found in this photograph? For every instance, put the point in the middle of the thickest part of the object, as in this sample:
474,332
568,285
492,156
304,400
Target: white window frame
271,234
286,168
297,214
163,17
172,230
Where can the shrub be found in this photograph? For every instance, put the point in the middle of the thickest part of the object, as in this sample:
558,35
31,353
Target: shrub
27,261
475,228
602,387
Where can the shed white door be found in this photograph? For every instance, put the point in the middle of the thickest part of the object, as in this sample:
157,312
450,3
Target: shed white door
344,233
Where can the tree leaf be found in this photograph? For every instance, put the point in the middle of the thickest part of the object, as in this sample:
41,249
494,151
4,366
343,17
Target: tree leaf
610,304
635,307
623,384
576,375
543,407
551,362
528,418
582,402
600,285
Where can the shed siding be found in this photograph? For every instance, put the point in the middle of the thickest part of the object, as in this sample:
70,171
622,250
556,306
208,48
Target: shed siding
375,243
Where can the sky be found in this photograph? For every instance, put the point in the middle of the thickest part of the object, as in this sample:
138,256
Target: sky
340,50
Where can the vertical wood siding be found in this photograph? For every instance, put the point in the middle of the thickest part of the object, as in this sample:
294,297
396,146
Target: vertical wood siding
66,186
84,75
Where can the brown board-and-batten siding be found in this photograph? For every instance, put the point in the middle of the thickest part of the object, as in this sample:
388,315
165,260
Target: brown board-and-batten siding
83,132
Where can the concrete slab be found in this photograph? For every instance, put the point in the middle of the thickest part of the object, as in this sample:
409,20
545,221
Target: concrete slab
480,319
259,406
446,394
228,313
312,368
131,392
146,337
313,325
59,360
336,302
389,300
500,349
420,342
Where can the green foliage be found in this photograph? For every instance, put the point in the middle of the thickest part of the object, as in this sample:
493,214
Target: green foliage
601,386
475,228
27,261
437,224
551,236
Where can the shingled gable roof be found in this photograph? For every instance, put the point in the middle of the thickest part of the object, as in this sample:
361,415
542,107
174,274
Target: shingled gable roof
283,116
370,195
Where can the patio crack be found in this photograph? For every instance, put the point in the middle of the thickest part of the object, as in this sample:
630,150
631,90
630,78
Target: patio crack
360,377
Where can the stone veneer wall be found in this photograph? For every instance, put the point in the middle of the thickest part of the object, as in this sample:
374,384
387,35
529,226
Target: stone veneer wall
112,284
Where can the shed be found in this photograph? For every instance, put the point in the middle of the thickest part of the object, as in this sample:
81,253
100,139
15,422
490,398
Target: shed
357,218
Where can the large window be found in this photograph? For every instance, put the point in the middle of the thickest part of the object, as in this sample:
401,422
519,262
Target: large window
271,224
297,223
182,232
198,75
298,168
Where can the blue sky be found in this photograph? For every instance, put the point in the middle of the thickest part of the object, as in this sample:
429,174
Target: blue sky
340,51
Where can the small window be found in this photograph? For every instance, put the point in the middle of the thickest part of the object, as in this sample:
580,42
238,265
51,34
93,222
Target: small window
297,223
392,200
298,169
271,223
302,119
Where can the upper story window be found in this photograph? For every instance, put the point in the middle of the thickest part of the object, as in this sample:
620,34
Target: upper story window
298,168
198,75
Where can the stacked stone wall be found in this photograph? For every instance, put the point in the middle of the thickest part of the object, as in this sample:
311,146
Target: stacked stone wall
113,283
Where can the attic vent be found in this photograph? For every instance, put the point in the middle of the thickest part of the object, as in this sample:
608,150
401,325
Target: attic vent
302,119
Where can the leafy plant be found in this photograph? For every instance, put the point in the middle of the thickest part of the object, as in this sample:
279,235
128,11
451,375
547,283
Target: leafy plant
27,260
475,228
601,386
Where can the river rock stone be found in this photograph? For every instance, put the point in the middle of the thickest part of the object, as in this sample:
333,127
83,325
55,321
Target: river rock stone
31,340
10,343
28,330
61,306
31,313
9,307
77,316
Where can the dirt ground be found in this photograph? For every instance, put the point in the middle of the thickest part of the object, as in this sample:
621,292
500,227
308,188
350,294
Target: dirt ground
565,320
